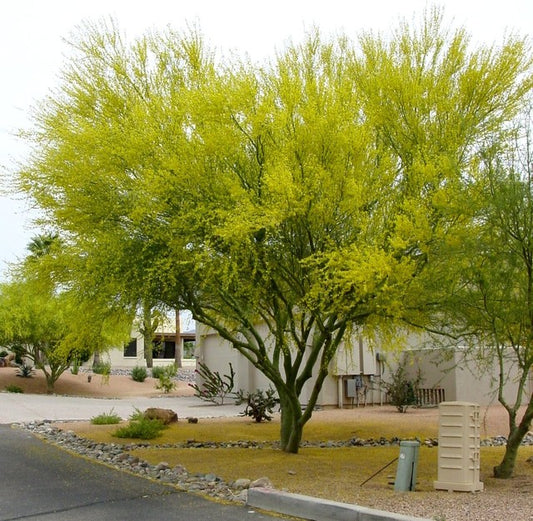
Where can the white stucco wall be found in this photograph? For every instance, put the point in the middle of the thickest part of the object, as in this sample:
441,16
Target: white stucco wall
462,376
350,360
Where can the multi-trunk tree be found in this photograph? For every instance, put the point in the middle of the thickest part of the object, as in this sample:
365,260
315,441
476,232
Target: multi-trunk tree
304,196
50,325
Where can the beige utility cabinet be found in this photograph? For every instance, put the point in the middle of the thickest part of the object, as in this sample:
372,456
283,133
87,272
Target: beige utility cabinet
459,456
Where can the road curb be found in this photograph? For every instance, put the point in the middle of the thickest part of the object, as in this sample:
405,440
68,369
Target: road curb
315,509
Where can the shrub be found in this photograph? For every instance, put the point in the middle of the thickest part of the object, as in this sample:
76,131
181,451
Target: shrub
167,370
107,418
140,427
139,374
166,382
215,388
401,389
25,370
103,368
75,369
14,389
259,404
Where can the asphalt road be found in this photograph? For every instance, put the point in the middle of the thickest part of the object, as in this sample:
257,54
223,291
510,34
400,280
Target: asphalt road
44,483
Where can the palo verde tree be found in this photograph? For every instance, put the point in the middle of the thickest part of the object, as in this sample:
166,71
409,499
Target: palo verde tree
285,205
491,305
47,324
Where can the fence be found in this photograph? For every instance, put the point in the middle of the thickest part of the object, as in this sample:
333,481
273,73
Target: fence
430,397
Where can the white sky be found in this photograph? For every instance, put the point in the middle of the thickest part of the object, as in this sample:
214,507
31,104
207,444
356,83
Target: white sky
32,32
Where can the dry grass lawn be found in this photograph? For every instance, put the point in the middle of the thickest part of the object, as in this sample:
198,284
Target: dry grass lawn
331,473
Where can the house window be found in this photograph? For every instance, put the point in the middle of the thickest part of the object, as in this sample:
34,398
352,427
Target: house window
166,349
130,350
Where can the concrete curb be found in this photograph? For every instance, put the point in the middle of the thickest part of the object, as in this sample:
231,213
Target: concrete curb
314,509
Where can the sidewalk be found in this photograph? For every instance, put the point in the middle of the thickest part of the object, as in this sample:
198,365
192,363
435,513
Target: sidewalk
17,408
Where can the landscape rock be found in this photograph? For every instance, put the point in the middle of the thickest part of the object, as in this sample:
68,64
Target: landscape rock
241,484
263,482
165,415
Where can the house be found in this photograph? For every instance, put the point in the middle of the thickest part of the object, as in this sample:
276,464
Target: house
354,375
132,354
357,372
463,374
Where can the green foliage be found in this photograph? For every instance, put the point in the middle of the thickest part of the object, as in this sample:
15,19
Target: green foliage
401,390
169,370
13,389
166,381
25,370
103,368
109,418
46,321
285,204
136,415
214,388
75,368
141,428
259,404
139,374
188,349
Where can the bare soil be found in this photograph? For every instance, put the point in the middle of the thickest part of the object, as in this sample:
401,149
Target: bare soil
68,384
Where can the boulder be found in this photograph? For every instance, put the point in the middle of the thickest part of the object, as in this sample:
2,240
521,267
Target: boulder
263,482
165,415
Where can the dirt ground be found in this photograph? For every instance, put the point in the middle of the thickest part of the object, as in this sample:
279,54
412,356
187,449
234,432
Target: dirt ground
68,384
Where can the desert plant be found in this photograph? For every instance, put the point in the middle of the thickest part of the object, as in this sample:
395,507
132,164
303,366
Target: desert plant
106,418
259,404
75,368
140,427
165,381
170,370
139,374
103,368
25,370
214,388
401,389
13,389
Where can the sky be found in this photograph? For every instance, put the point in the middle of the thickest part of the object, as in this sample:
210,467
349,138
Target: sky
33,49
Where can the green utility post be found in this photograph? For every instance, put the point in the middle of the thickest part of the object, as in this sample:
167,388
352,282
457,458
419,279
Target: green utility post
407,466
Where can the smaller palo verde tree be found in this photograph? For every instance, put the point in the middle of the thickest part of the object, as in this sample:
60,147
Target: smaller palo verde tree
50,326
35,325
492,299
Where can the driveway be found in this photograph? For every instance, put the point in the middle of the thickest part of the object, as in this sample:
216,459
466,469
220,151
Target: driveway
23,407
44,483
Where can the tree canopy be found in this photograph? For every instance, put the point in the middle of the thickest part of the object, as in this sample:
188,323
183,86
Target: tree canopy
306,195
490,303
51,326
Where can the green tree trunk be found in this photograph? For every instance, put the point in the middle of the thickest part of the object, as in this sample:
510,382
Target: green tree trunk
516,434
148,335
291,429
178,351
